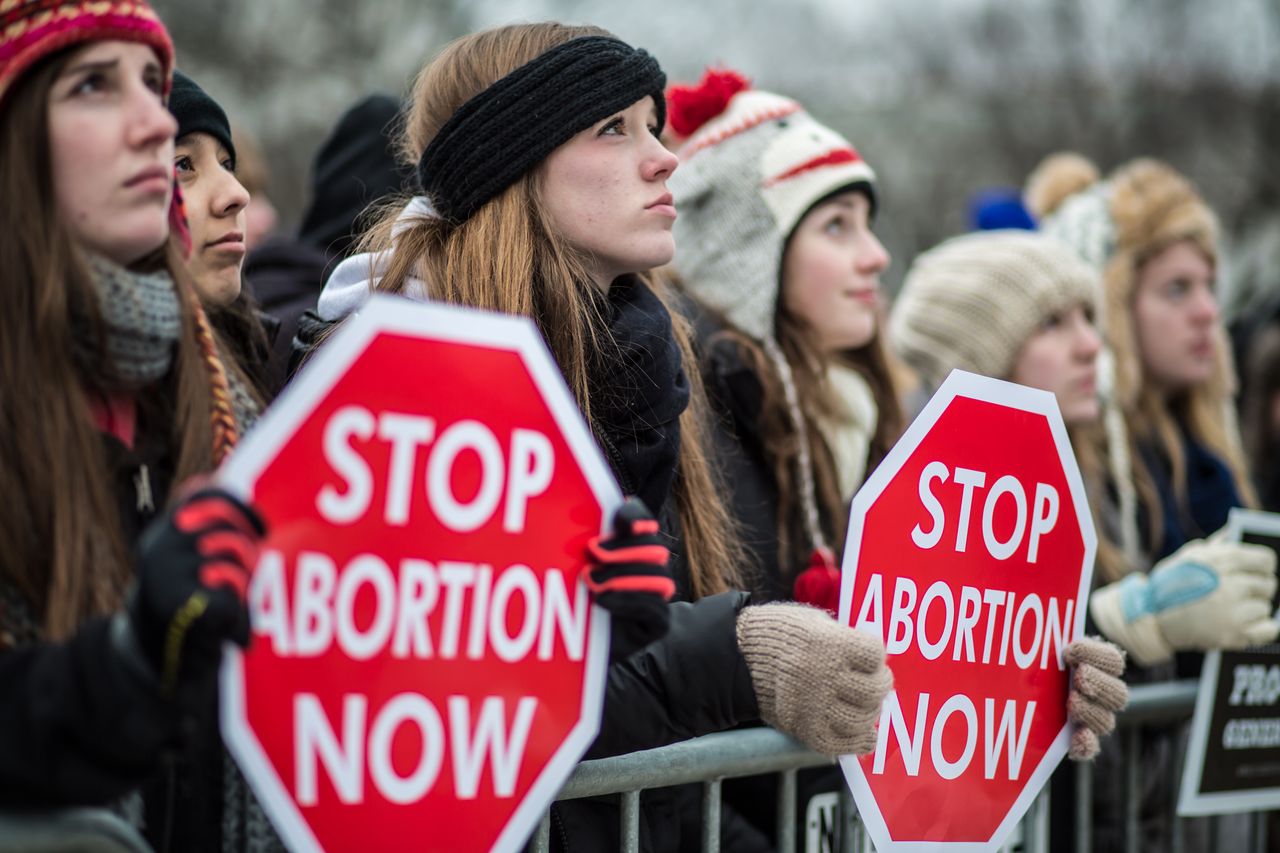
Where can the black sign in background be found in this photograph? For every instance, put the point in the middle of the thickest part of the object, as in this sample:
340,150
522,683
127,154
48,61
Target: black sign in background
1227,770
1251,774
1238,770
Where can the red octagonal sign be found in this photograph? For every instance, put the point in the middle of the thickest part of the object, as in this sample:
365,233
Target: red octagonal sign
426,667
970,551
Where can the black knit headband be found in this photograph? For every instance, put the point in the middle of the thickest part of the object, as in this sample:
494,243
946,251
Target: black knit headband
504,131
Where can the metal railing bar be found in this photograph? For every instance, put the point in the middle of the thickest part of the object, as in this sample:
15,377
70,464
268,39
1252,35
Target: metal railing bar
1167,701
1132,799
711,817
1084,807
1179,824
631,822
752,752
787,812
724,754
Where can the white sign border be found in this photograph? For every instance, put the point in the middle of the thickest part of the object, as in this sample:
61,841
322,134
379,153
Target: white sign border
961,383
1191,802
385,314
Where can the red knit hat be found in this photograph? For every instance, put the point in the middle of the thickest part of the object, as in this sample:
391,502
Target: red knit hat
30,30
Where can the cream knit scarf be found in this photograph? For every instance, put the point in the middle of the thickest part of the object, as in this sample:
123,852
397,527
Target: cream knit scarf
848,433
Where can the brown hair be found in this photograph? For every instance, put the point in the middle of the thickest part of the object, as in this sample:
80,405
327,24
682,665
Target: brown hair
817,403
60,537
511,240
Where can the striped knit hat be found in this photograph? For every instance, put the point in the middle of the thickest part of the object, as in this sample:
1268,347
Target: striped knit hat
752,165
30,30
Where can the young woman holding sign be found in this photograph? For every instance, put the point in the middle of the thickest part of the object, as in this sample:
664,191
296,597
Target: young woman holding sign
778,251
775,244
117,589
1021,306
1037,303
1172,449
558,213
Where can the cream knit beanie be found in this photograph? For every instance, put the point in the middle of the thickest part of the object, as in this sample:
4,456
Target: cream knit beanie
972,302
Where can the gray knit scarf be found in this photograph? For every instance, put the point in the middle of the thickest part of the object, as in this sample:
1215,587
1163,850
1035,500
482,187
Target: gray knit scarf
141,318
142,321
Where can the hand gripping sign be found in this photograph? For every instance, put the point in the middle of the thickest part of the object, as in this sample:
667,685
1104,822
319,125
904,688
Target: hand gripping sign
426,667
970,551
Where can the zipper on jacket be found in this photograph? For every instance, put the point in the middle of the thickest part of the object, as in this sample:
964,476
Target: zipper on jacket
142,486
615,461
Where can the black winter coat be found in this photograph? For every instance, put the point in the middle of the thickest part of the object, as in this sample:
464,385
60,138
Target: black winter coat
82,722
737,399
695,680
285,278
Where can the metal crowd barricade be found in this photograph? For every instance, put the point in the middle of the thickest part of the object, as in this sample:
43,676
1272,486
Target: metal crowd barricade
65,830
711,759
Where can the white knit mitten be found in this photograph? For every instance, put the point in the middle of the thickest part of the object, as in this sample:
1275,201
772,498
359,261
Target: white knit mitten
1206,595
817,680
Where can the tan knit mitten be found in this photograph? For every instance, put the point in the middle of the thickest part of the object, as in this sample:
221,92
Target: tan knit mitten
1096,693
817,680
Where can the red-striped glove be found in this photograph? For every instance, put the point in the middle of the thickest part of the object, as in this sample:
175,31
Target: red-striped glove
193,573
629,577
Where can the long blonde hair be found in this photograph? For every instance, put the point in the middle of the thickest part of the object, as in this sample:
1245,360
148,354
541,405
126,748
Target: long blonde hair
1152,207
508,257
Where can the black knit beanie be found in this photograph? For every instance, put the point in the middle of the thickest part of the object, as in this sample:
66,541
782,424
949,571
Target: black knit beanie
355,167
503,132
196,112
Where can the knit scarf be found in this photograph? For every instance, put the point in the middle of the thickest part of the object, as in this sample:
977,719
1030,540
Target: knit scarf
638,392
848,434
141,318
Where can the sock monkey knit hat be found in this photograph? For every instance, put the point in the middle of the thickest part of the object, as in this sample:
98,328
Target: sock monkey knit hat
30,30
752,164
973,301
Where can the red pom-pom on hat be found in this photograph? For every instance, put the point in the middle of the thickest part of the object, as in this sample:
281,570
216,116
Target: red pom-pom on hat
819,584
690,107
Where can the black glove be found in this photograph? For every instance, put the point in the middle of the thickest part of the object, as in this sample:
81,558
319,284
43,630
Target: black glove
629,578
193,573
